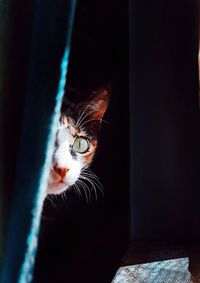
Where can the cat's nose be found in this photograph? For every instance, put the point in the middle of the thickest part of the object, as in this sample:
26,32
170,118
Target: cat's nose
62,171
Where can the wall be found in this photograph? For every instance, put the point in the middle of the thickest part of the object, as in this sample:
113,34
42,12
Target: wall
164,120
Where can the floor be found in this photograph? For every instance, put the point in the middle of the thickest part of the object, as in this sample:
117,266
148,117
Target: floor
167,271
159,262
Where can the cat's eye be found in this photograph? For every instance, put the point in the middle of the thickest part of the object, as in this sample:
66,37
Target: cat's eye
81,145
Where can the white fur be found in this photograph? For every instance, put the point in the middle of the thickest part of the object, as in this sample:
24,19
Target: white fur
62,158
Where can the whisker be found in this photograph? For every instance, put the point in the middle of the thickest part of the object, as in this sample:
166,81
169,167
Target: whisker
88,113
73,187
106,122
84,192
78,190
93,183
93,186
91,175
49,197
65,195
88,121
88,105
78,118
88,173
86,187
99,186
94,180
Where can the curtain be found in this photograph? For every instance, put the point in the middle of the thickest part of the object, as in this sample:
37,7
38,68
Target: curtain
35,75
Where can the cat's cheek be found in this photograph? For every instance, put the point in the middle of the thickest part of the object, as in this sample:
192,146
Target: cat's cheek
87,159
72,177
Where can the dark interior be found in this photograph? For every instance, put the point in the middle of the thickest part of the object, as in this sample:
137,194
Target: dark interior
80,241
165,120
164,131
147,53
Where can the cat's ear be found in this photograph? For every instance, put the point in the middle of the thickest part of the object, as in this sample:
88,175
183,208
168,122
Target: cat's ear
98,104
91,112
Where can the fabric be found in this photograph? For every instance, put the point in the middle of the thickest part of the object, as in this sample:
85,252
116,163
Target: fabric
168,271
46,67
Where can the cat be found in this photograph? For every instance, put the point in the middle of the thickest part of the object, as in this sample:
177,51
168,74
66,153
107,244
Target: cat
76,143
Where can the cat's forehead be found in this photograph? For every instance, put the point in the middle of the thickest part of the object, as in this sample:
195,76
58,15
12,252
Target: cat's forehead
68,123
67,130
64,135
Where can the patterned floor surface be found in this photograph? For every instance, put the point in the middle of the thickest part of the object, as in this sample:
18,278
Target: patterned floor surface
168,271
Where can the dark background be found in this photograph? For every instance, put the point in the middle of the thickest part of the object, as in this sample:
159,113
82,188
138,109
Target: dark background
165,130
81,242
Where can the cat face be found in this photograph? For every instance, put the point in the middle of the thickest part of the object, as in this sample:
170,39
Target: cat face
76,142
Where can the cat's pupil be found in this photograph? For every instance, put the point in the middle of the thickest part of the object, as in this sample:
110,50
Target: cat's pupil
81,145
